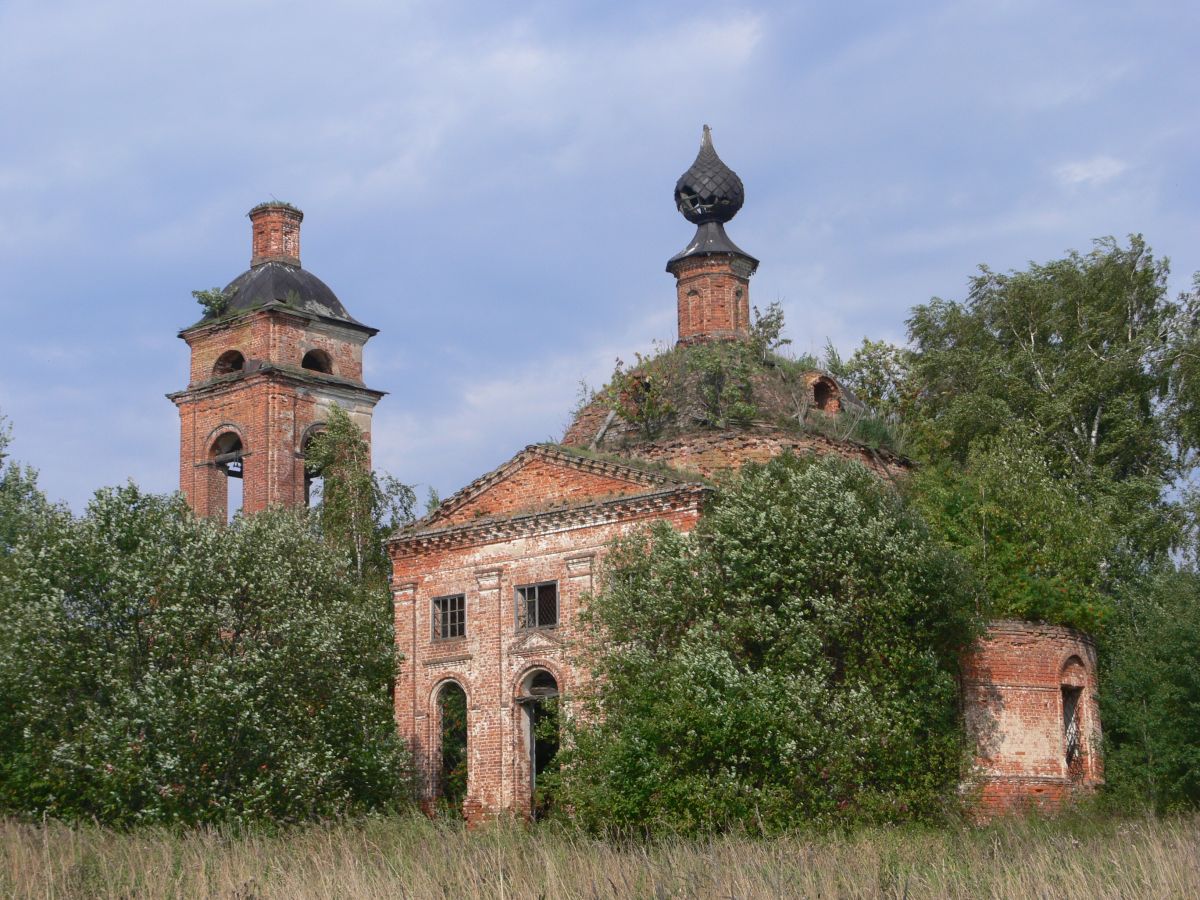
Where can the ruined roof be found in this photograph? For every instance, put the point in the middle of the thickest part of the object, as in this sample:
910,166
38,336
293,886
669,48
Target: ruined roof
281,283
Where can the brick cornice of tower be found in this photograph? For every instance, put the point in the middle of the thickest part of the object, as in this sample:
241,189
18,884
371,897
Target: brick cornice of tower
279,309
273,372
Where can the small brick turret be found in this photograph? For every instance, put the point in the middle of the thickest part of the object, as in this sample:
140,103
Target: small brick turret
276,234
712,273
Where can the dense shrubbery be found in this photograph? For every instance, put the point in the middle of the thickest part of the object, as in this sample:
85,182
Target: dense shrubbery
791,662
1150,694
157,667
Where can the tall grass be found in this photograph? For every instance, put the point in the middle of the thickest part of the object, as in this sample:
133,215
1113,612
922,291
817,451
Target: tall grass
416,858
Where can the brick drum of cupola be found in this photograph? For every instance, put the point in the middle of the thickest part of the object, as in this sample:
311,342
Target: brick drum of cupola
714,298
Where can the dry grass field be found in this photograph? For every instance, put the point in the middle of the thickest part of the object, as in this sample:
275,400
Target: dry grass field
404,857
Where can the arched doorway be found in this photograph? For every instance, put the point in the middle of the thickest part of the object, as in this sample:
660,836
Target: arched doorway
452,724
539,697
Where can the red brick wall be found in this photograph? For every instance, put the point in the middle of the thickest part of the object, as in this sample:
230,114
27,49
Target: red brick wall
271,411
495,657
275,337
540,484
275,234
1012,696
713,296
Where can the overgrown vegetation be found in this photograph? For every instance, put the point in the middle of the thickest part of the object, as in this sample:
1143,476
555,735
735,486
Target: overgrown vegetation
796,665
734,384
359,508
213,301
156,667
1150,693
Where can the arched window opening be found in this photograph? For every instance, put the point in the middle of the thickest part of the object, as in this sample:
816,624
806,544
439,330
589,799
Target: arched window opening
229,362
226,487
539,697
317,361
452,715
1074,678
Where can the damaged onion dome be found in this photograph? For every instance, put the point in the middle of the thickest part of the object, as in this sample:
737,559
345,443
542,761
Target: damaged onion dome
709,191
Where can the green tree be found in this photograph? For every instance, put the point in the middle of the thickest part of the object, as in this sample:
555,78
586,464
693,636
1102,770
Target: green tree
159,667
1041,550
1150,694
879,375
1086,352
790,662
22,503
358,507
1079,376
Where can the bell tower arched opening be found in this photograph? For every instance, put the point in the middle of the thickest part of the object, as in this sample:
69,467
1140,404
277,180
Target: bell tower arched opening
226,481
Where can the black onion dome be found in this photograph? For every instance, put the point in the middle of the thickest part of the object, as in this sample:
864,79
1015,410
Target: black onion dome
278,282
709,191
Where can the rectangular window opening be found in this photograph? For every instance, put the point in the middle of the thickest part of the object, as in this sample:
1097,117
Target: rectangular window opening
537,605
449,617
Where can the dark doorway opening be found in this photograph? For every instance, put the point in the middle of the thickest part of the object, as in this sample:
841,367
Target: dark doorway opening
542,703
452,778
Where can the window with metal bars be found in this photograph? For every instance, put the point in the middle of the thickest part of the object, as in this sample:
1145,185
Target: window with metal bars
537,605
449,617
1071,737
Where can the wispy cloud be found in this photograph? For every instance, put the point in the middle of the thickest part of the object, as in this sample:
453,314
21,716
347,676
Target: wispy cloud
1093,171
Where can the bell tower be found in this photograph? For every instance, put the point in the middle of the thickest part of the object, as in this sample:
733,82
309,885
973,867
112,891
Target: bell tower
712,273
270,357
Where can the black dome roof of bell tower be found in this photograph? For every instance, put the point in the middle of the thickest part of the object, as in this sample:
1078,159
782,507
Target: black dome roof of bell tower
709,191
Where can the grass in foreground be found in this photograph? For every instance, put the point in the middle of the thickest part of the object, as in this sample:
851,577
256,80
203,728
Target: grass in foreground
403,857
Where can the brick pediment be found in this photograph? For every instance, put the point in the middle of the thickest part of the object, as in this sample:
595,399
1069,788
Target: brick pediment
542,478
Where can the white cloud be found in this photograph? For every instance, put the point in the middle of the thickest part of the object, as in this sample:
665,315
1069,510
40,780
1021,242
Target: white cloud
1096,170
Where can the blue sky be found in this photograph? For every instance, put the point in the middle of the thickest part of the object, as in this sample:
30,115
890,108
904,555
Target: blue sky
490,186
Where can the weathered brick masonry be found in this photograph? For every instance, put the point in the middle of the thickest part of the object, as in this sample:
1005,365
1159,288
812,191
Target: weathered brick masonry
264,374
1026,688
547,516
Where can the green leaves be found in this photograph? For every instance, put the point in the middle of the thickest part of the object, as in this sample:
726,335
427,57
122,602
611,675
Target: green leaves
358,508
214,301
1150,697
791,661
156,667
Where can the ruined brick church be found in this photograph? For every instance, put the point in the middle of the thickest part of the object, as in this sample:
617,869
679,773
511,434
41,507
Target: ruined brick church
487,587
